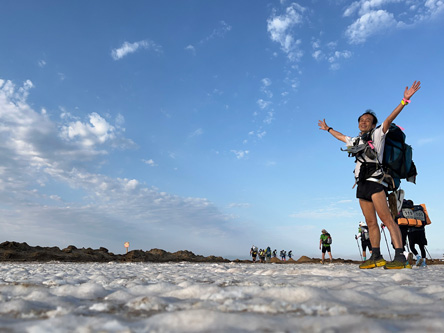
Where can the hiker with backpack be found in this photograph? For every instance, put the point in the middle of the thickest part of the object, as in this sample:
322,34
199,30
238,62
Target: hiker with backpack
365,239
268,254
372,183
253,253
325,245
415,231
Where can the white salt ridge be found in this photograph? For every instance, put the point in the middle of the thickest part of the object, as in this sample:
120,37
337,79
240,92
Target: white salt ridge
189,297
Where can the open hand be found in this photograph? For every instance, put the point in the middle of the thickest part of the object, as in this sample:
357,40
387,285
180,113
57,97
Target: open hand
323,125
409,92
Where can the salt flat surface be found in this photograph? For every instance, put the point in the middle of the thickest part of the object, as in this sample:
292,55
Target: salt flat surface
189,297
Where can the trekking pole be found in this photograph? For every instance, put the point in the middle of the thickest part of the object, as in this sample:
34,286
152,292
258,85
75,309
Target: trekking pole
388,248
428,253
408,245
359,248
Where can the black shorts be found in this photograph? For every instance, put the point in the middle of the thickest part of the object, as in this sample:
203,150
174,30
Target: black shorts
326,249
417,237
366,244
366,189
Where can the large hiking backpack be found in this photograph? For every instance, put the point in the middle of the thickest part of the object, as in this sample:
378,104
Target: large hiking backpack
364,233
397,160
415,216
328,240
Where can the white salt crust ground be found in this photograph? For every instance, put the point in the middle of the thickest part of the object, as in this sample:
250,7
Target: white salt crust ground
188,297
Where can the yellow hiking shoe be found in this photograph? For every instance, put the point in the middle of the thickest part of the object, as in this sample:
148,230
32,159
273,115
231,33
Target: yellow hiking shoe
397,264
372,263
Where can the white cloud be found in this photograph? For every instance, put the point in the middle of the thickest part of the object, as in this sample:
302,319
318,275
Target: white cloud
336,56
97,131
191,48
434,6
280,28
432,9
316,44
261,134
317,54
266,82
41,63
219,32
150,162
335,66
128,48
240,154
197,132
239,205
269,117
369,24
377,16
263,104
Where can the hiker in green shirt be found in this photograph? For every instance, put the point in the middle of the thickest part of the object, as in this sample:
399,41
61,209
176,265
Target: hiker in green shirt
325,245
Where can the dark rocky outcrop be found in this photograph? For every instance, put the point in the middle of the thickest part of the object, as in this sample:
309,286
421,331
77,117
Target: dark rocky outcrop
14,251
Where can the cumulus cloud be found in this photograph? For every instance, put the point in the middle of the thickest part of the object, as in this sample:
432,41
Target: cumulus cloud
281,30
150,162
369,24
128,48
96,131
376,16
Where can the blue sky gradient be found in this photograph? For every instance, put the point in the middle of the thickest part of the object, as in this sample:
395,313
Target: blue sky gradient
193,124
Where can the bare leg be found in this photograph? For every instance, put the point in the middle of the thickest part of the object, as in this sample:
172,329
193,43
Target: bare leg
368,209
380,203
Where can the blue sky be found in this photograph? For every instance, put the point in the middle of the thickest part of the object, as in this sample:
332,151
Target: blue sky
193,124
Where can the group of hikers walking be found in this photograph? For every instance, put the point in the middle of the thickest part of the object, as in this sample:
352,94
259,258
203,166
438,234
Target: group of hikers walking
266,254
382,159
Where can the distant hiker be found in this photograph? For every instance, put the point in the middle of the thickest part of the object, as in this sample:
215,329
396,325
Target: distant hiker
268,254
283,254
325,245
290,253
370,178
262,255
274,253
365,239
253,253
